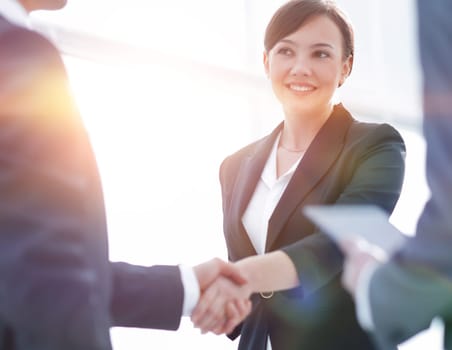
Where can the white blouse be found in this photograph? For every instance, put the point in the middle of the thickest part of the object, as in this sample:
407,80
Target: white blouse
267,194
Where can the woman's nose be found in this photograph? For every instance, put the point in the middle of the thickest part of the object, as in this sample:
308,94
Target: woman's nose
301,67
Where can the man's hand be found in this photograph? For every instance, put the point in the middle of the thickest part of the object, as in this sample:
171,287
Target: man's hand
359,254
207,272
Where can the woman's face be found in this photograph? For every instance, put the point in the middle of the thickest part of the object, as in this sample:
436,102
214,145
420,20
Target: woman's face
306,67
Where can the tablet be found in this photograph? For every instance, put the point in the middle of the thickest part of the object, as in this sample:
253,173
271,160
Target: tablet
367,221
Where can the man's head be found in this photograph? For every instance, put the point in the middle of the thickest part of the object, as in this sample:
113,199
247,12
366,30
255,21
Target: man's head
31,5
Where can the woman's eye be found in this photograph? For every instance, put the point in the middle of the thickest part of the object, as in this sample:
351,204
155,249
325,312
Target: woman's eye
285,51
321,54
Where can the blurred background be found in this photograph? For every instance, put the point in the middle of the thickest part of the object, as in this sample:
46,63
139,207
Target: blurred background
167,89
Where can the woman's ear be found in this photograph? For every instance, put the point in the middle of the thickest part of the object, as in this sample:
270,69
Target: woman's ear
266,63
347,67
346,70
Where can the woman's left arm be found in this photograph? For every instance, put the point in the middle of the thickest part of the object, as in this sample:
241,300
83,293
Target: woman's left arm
377,178
315,260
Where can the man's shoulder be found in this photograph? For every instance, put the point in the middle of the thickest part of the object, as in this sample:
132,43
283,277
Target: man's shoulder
15,36
21,47
8,28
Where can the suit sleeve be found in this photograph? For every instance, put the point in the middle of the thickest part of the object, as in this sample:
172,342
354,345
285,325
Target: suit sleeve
52,263
416,285
377,177
146,297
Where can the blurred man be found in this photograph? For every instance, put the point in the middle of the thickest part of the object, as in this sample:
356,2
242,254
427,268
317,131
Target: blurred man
400,297
57,288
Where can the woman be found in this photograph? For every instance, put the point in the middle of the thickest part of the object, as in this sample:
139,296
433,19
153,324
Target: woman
319,154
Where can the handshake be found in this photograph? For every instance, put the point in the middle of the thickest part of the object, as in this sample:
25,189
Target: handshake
224,300
226,288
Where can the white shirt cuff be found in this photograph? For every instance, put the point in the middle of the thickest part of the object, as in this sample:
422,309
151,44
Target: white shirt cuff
191,289
363,309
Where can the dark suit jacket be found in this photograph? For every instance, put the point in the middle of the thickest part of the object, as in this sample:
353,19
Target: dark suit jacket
416,285
347,162
57,288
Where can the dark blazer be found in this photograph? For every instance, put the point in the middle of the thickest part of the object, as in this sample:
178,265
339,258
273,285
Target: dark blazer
416,285
347,162
57,288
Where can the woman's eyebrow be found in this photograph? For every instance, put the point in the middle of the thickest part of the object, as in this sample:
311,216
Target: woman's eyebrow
327,45
316,45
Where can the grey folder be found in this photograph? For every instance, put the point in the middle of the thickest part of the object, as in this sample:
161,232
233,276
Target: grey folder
367,221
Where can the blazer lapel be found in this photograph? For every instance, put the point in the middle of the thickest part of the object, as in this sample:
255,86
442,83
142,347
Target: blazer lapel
250,171
321,154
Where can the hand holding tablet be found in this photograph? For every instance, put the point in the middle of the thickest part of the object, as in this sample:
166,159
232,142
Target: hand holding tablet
368,222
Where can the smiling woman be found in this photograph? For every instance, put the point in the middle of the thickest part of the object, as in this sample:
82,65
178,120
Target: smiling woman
318,154
167,89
